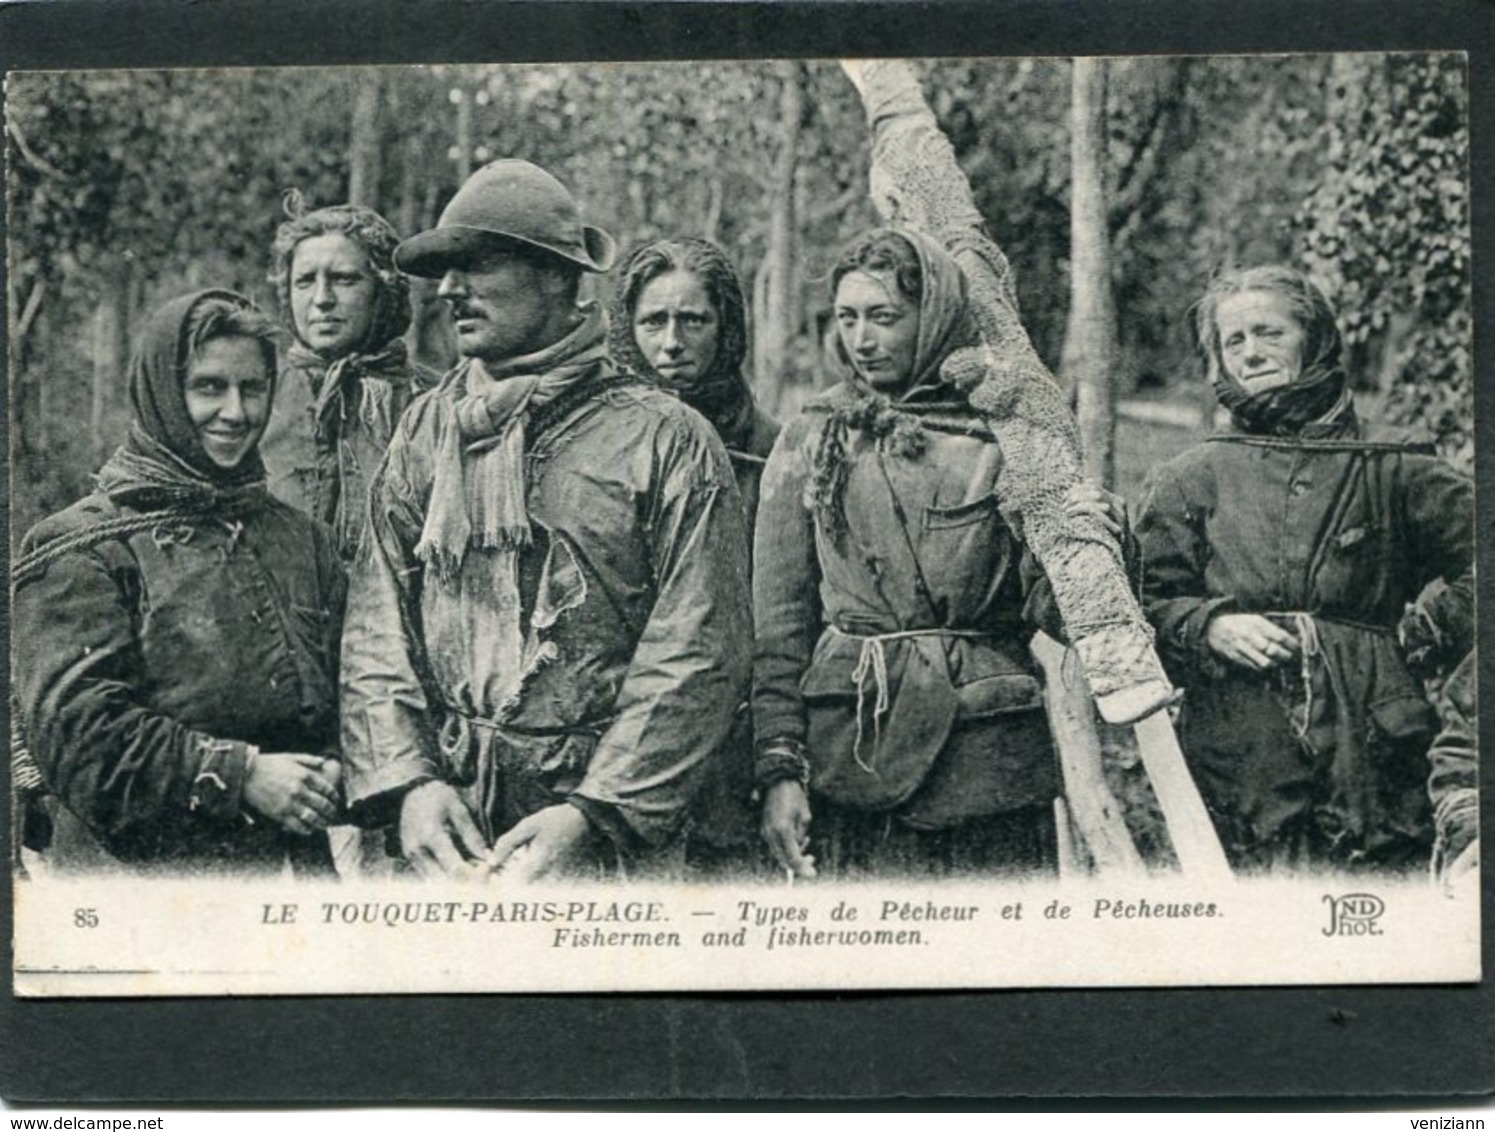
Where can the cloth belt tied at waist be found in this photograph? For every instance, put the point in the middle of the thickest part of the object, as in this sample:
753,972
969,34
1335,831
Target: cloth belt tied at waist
455,737
873,662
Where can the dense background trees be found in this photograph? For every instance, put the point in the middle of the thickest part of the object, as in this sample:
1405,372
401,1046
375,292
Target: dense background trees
124,188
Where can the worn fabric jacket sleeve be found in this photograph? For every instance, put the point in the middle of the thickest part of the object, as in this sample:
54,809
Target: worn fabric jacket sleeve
1453,782
690,668
1438,503
786,598
124,769
388,746
1174,552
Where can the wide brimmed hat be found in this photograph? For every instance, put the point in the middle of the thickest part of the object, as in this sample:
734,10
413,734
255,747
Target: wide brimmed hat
514,200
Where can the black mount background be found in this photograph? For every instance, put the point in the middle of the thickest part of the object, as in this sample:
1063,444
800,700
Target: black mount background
1290,1044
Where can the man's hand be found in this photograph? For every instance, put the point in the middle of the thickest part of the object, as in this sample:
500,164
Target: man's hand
437,833
548,843
786,827
300,793
1250,640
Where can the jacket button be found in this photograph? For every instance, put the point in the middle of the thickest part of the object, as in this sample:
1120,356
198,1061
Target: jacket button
1298,487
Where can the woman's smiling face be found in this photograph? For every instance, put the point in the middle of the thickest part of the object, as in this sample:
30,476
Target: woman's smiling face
227,391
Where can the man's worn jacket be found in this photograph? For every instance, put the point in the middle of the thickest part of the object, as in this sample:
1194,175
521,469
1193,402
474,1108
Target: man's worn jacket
635,607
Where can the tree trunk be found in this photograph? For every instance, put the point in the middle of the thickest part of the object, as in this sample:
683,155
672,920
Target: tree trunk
111,347
463,146
1089,356
412,170
713,222
363,144
25,392
773,289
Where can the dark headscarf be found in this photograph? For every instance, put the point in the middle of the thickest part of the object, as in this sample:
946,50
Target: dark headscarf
896,422
162,462
722,394
1317,402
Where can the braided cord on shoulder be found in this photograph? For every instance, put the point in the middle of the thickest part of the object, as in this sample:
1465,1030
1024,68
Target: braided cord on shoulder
35,562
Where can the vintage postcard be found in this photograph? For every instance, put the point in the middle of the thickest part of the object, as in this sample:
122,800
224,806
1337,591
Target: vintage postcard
742,525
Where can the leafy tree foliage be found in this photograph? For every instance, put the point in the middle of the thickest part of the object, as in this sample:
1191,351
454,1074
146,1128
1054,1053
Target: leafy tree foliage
125,188
1386,227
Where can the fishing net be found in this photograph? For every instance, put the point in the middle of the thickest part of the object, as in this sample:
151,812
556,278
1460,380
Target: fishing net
916,183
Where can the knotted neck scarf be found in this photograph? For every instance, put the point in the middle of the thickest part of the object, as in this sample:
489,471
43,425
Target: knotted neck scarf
894,422
365,384
162,463
1316,405
478,487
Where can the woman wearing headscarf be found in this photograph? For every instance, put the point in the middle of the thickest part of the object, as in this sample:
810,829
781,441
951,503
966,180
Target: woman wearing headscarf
348,376
1279,557
679,320
176,631
899,715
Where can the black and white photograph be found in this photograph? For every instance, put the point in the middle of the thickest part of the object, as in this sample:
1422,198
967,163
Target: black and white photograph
782,524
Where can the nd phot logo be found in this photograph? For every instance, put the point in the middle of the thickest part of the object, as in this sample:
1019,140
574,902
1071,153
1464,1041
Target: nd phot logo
1355,914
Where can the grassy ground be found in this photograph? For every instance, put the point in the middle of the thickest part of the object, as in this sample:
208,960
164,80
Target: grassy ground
1140,445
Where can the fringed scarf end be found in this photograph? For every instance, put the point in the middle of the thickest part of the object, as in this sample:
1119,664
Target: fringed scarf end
443,563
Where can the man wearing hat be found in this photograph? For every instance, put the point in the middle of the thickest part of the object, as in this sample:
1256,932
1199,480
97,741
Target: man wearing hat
548,627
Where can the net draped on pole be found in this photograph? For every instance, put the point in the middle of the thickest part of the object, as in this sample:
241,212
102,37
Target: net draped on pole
916,183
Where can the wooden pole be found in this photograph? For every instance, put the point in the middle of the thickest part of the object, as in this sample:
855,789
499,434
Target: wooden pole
1189,825
1064,841
1095,812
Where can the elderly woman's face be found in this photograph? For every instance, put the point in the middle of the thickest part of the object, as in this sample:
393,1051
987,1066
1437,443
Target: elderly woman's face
676,327
1261,340
879,329
333,294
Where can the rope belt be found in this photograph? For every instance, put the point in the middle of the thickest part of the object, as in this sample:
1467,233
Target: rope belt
1310,647
873,662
